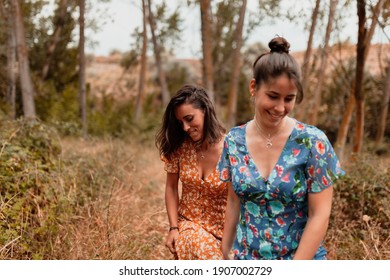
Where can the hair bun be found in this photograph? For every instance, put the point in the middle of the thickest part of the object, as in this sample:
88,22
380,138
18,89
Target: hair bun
279,45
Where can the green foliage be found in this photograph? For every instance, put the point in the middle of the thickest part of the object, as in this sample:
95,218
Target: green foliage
244,102
335,98
61,110
374,88
129,59
28,168
226,15
167,26
110,117
66,106
245,110
3,64
178,74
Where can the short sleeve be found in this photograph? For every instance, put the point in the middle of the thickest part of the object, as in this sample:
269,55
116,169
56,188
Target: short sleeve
224,166
323,167
172,165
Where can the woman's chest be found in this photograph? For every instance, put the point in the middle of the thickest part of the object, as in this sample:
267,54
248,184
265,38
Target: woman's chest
287,179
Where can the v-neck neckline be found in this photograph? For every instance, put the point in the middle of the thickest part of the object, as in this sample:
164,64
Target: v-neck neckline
272,172
195,164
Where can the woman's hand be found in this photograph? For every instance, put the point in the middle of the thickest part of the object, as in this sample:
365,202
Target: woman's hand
170,241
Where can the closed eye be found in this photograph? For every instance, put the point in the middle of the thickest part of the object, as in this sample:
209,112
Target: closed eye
290,98
189,118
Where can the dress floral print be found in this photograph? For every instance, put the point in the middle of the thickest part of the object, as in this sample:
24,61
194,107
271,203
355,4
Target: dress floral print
274,211
201,208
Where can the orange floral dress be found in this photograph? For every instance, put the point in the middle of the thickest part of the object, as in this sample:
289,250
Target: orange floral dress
201,208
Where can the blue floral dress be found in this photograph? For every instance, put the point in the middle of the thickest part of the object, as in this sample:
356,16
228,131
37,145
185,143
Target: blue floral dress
274,211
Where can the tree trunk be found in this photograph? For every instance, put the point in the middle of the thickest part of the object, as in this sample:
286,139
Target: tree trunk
359,92
157,53
301,114
343,131
236,69
59,25
384,107
11,60
142,74
344,126
306,60
82,85
24,68
313,116
207,47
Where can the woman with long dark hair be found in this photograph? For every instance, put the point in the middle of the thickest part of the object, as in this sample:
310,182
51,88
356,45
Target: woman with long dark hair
190,143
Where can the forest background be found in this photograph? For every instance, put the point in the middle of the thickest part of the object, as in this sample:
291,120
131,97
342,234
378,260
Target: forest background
80,175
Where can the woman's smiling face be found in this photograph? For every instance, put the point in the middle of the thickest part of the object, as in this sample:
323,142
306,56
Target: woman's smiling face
191,120
274,100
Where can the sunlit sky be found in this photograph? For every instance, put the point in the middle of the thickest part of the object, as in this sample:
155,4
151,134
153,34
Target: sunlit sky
126,15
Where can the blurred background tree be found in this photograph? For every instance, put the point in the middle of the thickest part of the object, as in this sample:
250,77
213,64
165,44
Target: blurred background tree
52,37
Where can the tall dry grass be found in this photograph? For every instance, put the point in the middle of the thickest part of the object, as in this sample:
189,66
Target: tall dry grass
360,222
127,220
125,217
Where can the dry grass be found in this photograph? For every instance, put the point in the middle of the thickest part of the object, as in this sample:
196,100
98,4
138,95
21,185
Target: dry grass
127,218
359,226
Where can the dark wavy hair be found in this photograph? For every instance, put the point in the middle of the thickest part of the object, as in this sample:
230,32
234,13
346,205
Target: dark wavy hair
276,62
171,134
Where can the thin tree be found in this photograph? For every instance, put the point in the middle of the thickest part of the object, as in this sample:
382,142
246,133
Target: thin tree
23,62
362,45
309,48
301,114
313,115
359,76
236,68
207,47
384,107
82,84
11,59
157,53
142,73
55,37
347,116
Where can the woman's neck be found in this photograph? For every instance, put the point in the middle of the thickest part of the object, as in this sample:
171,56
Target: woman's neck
267,130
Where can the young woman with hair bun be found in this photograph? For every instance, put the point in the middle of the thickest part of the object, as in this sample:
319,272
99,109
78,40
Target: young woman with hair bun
280,170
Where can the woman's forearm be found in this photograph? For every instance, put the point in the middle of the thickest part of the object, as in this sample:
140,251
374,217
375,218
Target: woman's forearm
320,205
172,198
231,219
312,237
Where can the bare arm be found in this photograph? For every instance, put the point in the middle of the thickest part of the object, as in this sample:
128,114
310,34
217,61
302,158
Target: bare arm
172,205
231,219
320,205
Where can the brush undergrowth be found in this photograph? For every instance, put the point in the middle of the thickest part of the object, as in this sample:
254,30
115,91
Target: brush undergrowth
360,223
78,199
103,198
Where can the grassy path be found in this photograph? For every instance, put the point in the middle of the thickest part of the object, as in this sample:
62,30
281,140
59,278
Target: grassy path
127,217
